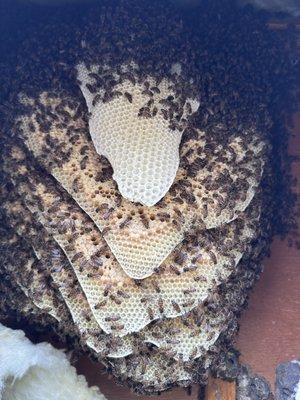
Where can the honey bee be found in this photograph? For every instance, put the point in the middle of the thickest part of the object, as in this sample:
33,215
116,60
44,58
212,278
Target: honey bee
188,108
117,327
143,364
96,99
128,96
77,256
155,89
175,306
147,92
180,258
123,294
107,289
200,278
112,318
31,126
128,76
205,211
213,256
189,291
95,275
75,185
175,269
145,221
150,313
161,305
156,286
194,353
100,304
106,230
93,75
115,299
91,88
150,103
154,111
164,113
188,303
107,213
146,299
83,163
169,352
125,223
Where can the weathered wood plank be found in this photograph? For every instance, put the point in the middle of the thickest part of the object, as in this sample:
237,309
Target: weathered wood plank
218,389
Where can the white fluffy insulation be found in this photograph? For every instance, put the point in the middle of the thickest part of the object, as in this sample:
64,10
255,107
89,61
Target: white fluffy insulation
38,371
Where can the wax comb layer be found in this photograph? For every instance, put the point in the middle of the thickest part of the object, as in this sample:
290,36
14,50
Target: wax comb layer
38,292
55,265
130,127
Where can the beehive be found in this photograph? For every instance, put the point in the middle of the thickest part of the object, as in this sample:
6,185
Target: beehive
137,188
114,313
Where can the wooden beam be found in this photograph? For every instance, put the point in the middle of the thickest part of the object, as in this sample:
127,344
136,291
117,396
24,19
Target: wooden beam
218,389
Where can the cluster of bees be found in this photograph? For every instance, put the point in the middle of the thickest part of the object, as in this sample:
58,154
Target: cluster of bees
61,209
175,109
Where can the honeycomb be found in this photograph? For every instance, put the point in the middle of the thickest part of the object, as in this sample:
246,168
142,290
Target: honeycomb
106,289
181,338
115,314
142,237
138,142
